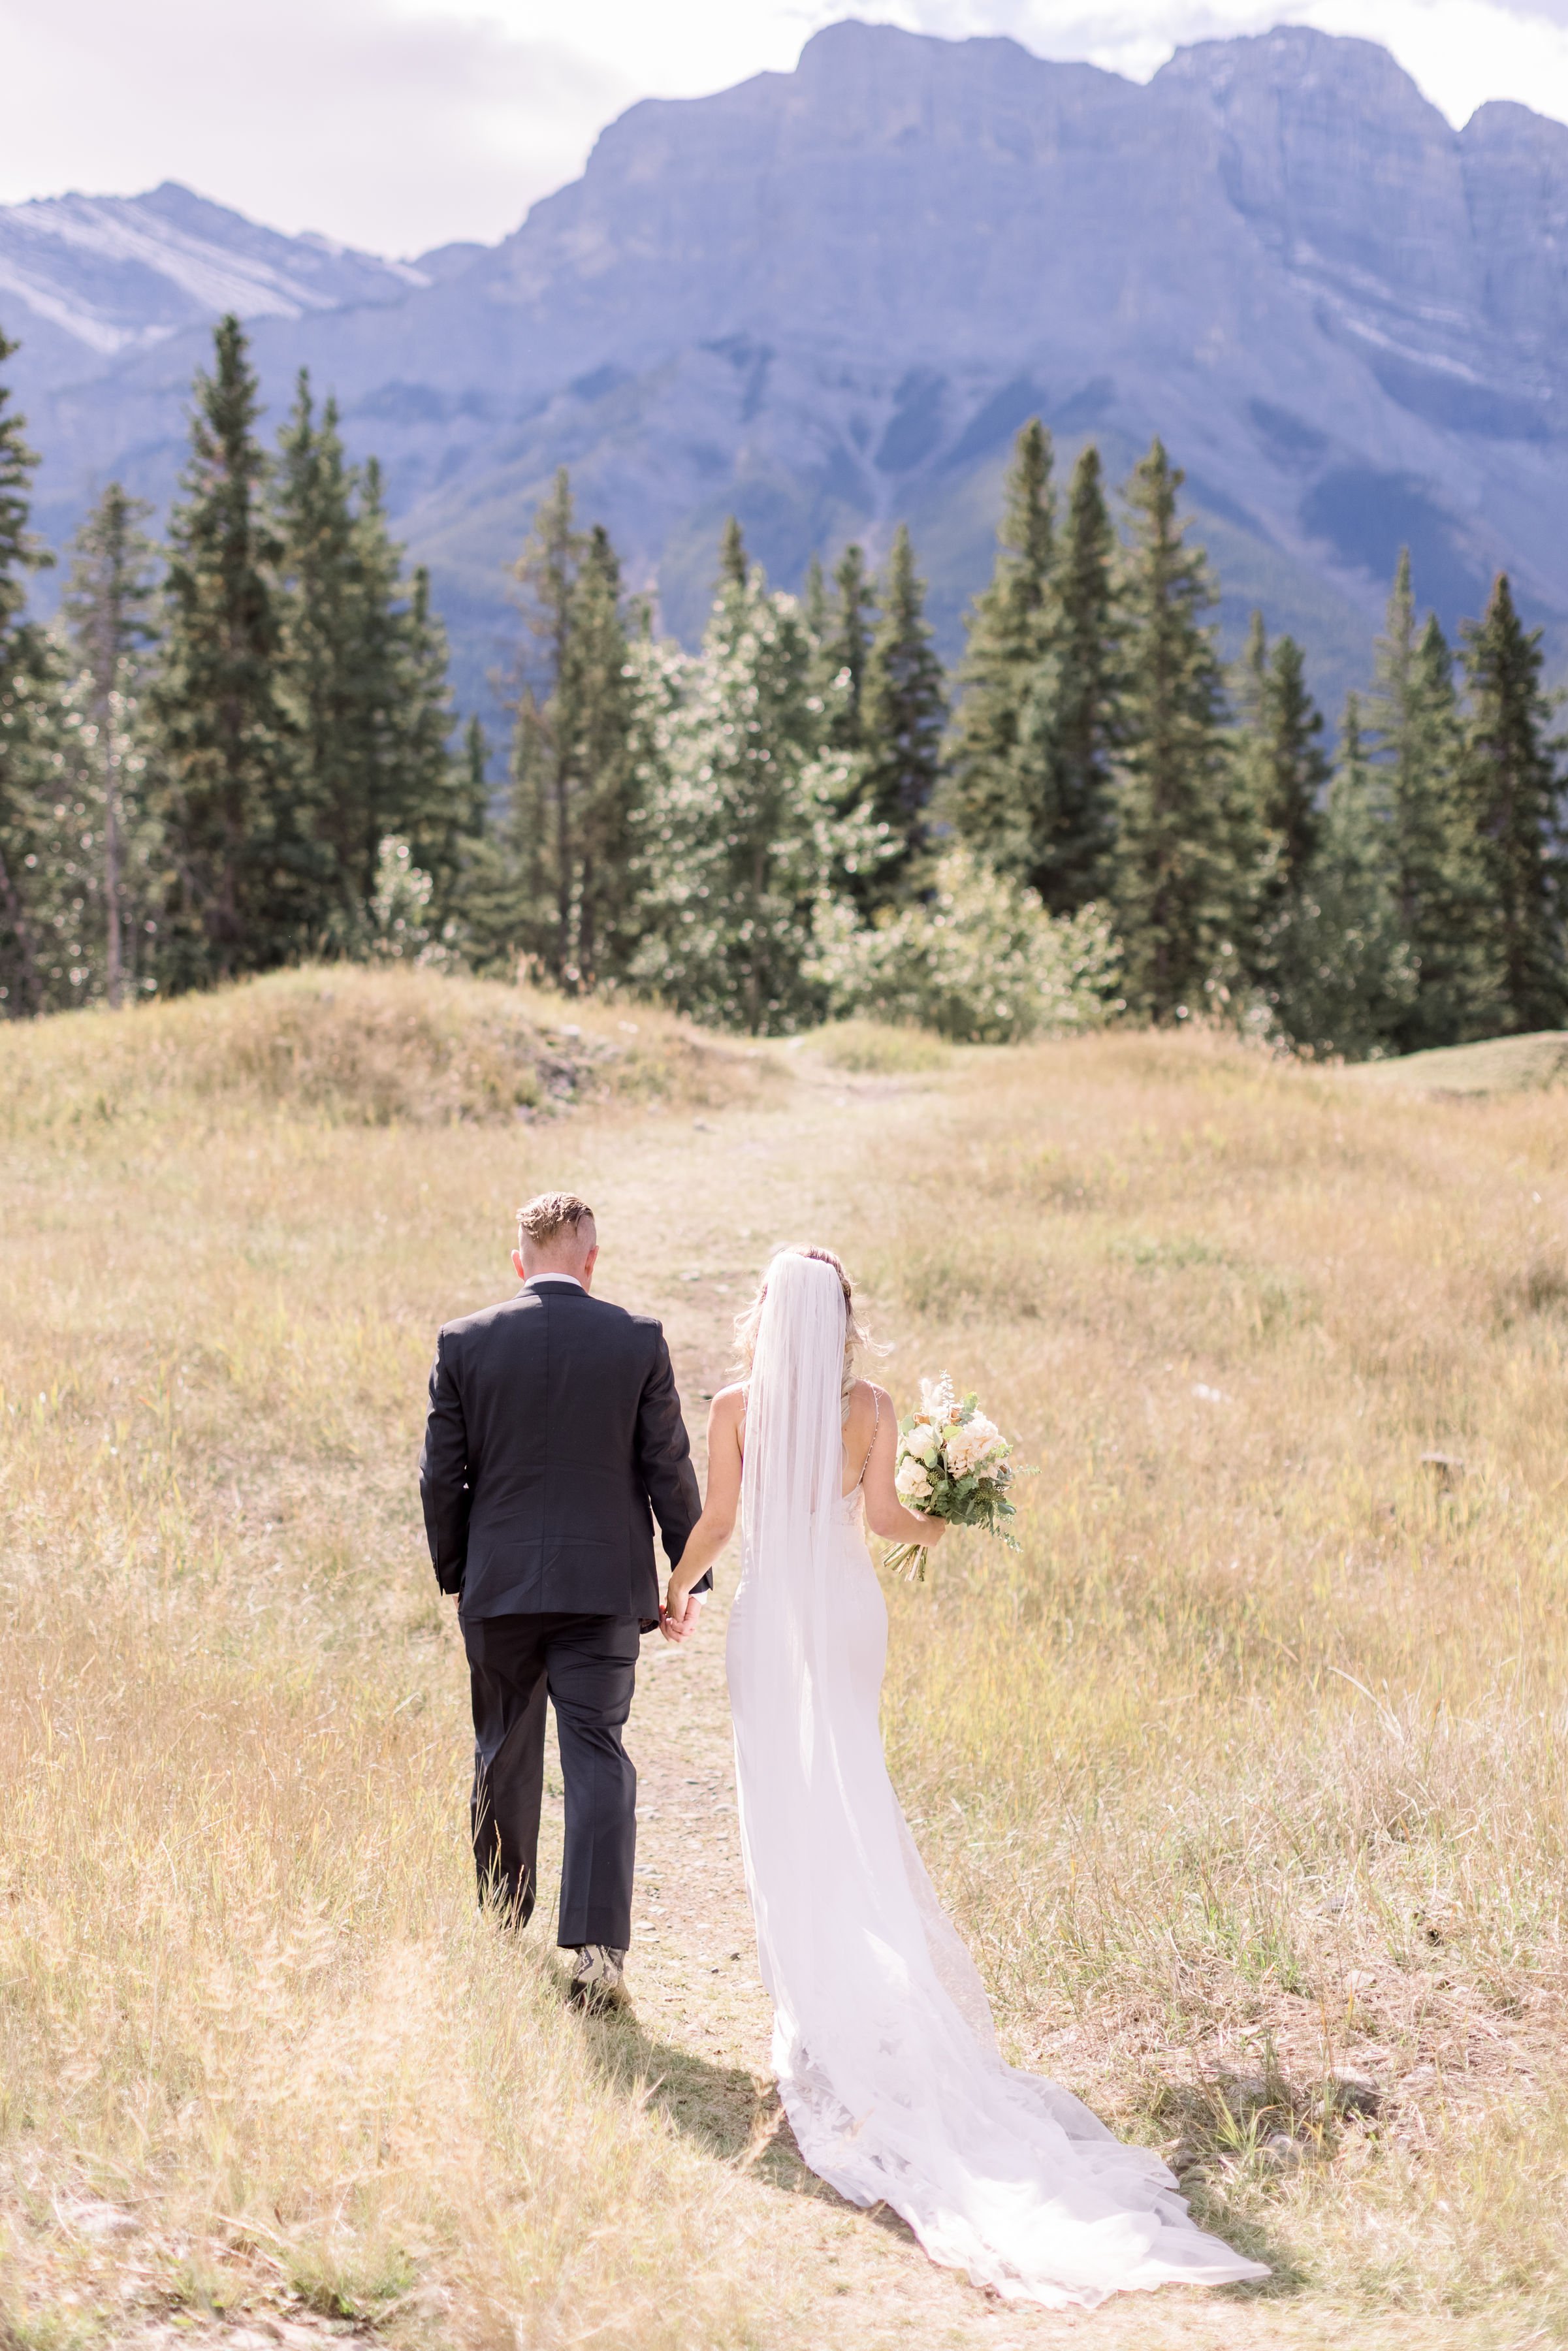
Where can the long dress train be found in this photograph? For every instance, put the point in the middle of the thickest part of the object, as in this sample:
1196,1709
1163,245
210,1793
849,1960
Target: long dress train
883,2043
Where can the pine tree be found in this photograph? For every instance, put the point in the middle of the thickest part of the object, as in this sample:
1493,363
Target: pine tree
992,797
421,793
20,552
1345,977
475,796
1392,704
732,563
331,671
488,905
430,799
475,772
1250,687
1281,759
25,688
573,787
597,703
541,825
1513,793
239,900
1181,856
814,600
903,713
1414,715
530,913
362,668
846,647
109,609
1249,778
1322,922
1298,770
1070,726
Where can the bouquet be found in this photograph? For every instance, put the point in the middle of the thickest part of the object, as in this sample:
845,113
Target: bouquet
952,1464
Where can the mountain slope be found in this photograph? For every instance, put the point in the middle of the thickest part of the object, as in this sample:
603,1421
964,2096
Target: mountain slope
85,278
827,298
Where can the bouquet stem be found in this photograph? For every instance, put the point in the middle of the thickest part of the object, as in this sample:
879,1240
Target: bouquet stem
908,1560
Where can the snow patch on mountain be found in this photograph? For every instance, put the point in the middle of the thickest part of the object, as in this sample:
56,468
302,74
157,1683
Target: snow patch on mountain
121,273
45,302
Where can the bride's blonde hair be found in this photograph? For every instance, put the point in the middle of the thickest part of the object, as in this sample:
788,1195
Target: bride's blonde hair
855,1335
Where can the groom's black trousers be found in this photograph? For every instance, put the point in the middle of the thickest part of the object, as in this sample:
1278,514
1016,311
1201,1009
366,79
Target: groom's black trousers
586,1665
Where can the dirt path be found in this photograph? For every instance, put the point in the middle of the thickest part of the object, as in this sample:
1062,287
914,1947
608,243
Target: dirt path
688,1217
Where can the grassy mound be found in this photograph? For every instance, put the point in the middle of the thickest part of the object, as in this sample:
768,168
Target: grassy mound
1499,1065
358,1048
876,1048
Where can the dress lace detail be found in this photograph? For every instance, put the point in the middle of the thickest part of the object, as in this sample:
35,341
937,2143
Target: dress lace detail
884,2042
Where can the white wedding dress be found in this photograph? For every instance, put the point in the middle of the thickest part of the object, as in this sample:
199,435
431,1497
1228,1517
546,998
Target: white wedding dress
882,2038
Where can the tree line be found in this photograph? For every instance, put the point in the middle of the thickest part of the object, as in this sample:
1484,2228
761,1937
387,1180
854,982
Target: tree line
238,751
1407,891
233,748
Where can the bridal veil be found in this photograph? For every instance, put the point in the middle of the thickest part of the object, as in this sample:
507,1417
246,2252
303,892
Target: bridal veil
883,2044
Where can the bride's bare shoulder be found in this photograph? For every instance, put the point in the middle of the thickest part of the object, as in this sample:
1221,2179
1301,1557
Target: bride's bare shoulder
867,1404
726,1425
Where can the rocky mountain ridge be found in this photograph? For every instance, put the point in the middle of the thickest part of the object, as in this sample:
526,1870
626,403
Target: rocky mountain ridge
88,279
827,297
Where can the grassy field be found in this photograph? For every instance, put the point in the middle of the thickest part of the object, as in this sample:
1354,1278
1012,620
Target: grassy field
1245,1778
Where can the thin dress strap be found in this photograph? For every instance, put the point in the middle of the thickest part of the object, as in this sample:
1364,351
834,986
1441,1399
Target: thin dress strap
875,1427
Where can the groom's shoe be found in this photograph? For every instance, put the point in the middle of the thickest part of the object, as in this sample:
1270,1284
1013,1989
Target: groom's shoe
599,1978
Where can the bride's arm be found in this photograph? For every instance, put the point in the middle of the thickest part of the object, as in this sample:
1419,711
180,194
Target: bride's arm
717,1525
885,1514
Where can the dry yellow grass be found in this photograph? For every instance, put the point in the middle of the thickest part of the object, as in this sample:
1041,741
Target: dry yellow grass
247,2004
361,1048
1249,1766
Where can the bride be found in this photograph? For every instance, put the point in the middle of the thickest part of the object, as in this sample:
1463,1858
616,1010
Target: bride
883,2039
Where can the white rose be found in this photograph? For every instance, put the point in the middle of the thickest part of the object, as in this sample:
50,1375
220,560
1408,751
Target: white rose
912,1481
976,1442
960,1453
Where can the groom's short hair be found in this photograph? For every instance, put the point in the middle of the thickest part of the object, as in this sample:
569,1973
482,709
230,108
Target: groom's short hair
544,1220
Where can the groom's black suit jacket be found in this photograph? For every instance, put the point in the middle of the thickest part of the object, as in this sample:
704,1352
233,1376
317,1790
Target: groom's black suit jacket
554,1441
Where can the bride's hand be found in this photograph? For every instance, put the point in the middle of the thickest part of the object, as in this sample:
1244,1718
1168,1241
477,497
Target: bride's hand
675,1616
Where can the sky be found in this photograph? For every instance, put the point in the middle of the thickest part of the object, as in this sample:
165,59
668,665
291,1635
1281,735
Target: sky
399,125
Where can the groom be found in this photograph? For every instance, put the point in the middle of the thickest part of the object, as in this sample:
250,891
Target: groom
554,1439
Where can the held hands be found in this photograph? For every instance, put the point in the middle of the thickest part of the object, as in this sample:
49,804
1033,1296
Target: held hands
680,1612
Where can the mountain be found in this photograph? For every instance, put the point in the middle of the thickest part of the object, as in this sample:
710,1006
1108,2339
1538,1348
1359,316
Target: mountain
827,298
86,280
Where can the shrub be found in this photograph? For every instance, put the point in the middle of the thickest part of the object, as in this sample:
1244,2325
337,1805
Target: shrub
980,962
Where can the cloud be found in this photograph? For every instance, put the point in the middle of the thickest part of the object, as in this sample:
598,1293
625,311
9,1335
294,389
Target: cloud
1460,52
390,131
1550,12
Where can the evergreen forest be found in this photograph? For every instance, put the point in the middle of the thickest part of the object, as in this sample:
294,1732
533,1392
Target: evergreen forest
236,749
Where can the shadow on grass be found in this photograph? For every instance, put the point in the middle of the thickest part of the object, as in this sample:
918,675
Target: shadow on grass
732,2113
735,2116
